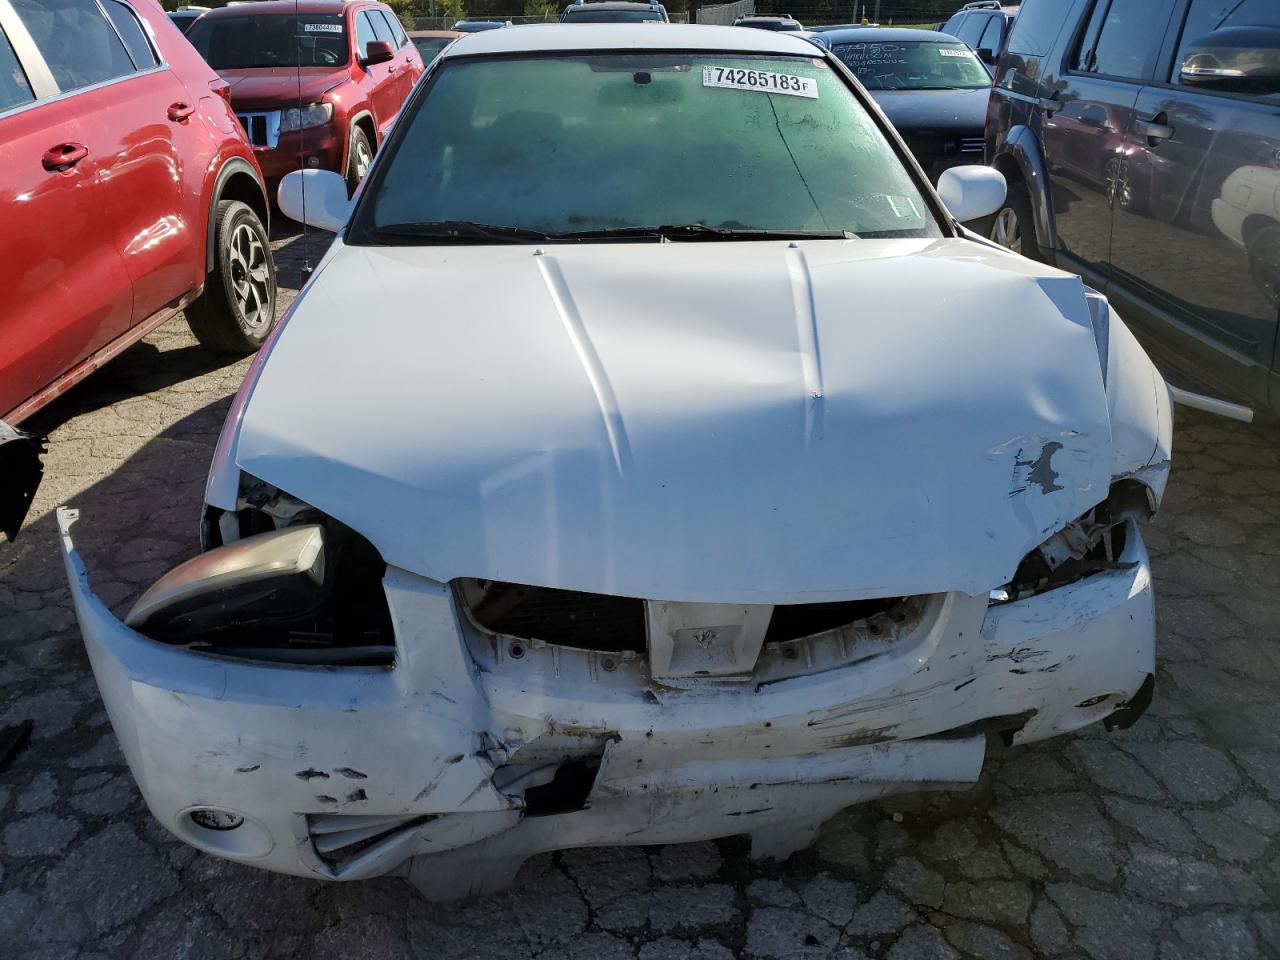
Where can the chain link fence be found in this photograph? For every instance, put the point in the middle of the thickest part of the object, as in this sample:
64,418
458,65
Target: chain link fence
726,13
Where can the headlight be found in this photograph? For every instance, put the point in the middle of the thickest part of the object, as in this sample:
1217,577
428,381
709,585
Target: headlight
311,115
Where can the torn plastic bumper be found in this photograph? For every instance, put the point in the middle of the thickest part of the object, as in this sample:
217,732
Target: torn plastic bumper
462,759
20,475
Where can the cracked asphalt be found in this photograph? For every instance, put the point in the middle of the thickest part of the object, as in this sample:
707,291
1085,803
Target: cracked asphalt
1158,842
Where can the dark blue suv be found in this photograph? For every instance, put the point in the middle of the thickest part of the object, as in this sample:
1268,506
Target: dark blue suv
1141,142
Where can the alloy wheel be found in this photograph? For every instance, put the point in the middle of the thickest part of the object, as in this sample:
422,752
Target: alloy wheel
1007,231
250,277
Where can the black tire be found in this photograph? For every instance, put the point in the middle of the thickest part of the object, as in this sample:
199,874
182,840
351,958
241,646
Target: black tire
238,307
1013,225
358,159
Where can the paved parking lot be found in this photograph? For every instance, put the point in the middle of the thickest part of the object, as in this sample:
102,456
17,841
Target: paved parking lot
1159,842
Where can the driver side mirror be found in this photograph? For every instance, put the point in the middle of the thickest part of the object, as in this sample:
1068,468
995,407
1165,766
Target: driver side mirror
972,192
1234,58
376,51
317,198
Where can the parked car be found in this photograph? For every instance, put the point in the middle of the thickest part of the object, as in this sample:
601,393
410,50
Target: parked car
777,24
984,26
431,42
316,84
932,87
184,17
687,504
479,26
129,194
614,11
1150,169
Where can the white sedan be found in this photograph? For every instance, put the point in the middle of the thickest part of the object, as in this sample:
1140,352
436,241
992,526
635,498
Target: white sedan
652,457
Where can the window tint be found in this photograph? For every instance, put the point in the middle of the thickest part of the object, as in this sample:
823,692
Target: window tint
971,29
990,39
381,28
14,88
1037,26
1205,16
131,33
1128,38
364,33
76,41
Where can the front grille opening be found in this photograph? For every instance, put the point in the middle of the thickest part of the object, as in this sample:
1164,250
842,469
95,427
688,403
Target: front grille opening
567,791
338,839
569,618
794,621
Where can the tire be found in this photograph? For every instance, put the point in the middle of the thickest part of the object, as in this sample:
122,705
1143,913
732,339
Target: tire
238,307
358,159
1013,226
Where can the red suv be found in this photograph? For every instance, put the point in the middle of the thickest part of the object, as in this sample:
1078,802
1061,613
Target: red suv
127,193
316,83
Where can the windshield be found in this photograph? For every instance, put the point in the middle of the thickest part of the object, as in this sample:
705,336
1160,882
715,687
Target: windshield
624,142
428,47
270,40
611,16
914,65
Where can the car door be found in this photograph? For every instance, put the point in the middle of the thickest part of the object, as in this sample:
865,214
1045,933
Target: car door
1197,224
66,292
1084,139
407,57
384,92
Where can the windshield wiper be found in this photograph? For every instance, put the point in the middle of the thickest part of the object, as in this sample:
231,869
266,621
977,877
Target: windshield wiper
464,230
700,231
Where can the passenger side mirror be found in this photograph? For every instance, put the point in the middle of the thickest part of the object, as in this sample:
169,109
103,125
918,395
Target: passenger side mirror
326,205
1235,58
376,51
987,56
972,192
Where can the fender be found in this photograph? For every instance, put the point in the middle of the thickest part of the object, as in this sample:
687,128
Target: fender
233,165
351,126
1023,149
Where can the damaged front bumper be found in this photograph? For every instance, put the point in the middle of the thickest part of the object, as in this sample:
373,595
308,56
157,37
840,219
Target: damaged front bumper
463,759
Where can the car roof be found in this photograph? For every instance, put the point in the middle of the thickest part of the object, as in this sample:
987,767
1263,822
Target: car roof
436,33
885,35
275,6
622,36
612,5
767,18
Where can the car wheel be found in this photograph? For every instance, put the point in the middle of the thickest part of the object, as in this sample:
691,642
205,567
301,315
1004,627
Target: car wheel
1013,226
1264,261
361,156
238,307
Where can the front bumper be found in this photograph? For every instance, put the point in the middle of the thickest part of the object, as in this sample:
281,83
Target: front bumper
346,773
319,147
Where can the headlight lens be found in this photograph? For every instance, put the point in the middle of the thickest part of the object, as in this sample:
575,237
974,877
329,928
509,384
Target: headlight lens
310,115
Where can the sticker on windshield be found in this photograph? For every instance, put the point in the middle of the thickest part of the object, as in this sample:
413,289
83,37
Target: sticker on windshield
736,78
953,53
322,28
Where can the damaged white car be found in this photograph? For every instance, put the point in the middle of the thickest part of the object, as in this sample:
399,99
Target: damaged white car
651,458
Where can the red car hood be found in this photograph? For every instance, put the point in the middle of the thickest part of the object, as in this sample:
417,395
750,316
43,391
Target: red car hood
271,88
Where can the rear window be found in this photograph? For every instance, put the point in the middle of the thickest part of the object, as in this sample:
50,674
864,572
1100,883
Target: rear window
271,40
80,47
576,143
1037,26
430,47
611,16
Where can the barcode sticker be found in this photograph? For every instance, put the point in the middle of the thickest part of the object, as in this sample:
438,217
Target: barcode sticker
736,78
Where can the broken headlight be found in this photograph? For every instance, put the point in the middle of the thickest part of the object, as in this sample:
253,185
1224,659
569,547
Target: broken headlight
1088,545
278,581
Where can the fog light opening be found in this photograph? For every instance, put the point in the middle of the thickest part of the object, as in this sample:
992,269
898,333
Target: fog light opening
213,819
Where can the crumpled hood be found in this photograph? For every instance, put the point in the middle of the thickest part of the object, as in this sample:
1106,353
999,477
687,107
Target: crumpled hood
275,88
957,112
737,422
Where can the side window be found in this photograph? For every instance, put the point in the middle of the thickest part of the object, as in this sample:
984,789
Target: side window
1037,26
1206,16
135,41
80,47
396,29
14,88
952,25
364,33
1128,38
381,28
990,39
971,29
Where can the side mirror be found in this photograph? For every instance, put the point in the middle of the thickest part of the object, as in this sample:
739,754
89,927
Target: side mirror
972,192
376,51
317,198
1234,58
987,56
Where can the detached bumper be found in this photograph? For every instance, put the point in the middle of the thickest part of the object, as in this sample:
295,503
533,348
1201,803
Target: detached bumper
421,769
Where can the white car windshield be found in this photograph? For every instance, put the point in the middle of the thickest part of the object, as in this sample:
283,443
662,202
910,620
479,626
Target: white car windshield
716,146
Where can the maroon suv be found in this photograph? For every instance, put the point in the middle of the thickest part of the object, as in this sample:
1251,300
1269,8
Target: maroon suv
316,83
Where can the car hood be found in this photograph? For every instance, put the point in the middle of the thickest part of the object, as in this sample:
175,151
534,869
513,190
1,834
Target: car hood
738,422
940,111
273,88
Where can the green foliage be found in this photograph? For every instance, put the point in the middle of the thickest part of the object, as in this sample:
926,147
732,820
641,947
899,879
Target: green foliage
453,9
547,9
